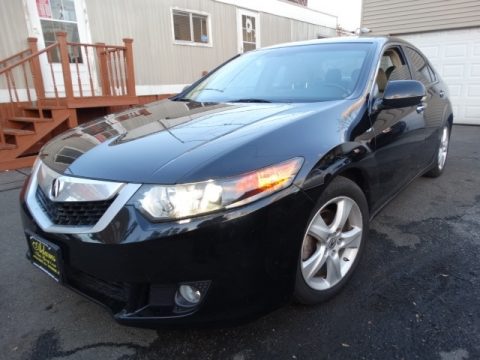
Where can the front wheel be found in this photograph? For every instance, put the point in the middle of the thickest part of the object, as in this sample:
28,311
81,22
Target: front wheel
442,153
333,242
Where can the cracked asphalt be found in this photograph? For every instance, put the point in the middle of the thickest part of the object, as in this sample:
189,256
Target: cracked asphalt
415,295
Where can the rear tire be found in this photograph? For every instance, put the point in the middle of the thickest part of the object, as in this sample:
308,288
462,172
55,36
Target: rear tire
442,153
333,242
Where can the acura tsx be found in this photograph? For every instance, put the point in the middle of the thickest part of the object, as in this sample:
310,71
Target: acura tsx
252,187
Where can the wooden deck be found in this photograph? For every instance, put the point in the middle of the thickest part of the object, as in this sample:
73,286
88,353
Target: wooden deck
78,76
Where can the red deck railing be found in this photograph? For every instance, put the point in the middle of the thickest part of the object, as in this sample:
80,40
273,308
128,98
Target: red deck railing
74,75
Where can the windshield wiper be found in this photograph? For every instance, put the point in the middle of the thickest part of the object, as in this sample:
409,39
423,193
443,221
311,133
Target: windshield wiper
249,100
213,89
186,100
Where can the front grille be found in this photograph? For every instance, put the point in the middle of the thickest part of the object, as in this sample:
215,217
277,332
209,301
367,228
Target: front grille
72,213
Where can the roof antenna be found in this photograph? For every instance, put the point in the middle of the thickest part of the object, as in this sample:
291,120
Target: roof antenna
362,30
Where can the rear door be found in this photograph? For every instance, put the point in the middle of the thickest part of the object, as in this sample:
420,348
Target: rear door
434,102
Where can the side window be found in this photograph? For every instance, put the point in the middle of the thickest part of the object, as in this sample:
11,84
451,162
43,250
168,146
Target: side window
421,70
433,77
386,62
392,67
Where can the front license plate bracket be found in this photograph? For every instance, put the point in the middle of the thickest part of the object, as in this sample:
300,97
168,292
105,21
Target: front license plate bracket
46,256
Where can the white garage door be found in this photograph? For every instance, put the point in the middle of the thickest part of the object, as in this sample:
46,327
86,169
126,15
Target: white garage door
455,54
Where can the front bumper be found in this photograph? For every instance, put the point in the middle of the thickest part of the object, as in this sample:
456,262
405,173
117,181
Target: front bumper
245,258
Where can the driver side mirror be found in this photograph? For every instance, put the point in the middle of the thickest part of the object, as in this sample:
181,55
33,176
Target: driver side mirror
403,93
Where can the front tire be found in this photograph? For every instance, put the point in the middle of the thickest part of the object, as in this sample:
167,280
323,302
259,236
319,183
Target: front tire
333,242
442,153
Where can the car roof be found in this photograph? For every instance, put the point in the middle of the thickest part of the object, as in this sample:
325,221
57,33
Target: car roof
380,40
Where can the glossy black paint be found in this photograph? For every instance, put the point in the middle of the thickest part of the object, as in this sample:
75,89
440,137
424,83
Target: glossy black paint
250,253
403,93
247,253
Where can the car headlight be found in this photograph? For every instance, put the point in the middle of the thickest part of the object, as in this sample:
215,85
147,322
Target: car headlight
167,202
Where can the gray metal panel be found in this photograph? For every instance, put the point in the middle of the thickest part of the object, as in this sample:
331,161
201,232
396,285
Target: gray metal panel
277,29
158,60
13,28
410,16
14,32
274,29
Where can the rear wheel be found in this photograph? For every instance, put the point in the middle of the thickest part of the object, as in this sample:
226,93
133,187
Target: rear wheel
442,153
333,242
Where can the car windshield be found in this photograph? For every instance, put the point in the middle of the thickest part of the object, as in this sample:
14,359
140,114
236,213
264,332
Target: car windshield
304,73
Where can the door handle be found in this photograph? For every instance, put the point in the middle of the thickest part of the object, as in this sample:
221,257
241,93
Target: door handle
420,108
441,93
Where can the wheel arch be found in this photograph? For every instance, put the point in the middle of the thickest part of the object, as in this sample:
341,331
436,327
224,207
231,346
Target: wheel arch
359,177
345,160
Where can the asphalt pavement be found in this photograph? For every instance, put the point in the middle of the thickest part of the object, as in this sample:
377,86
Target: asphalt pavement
415,295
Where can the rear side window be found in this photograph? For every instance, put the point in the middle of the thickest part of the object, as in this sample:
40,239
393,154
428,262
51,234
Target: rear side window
422,71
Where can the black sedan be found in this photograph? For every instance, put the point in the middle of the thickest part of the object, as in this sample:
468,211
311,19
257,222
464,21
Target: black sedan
252,187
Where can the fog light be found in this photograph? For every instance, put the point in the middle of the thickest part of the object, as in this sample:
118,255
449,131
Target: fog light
188,296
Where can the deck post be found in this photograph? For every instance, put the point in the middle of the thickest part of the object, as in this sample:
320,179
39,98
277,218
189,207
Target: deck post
36,70
65,60
130,70
103,65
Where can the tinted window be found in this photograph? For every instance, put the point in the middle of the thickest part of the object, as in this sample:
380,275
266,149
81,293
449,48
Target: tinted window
292,74
433,77
420,68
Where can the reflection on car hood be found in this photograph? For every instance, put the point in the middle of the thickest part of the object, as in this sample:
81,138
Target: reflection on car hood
135,145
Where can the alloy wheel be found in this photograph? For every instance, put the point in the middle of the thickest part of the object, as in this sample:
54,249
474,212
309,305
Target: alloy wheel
331,243
443,148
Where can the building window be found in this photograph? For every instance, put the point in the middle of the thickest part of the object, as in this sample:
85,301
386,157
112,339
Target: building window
67,155
190,28
55,16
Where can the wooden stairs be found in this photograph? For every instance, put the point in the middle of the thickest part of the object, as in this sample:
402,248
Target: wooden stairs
33,113
25,133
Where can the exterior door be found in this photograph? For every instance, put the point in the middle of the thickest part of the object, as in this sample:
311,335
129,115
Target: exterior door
248,30
45,19
435,102
399,134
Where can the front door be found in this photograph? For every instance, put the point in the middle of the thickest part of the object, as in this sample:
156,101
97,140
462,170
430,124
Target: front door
399,133
45,19
248,30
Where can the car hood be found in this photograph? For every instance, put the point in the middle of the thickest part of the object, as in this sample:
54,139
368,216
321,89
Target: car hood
172,141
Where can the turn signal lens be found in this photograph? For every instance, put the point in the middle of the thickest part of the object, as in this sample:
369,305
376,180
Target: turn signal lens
161,202
274,176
